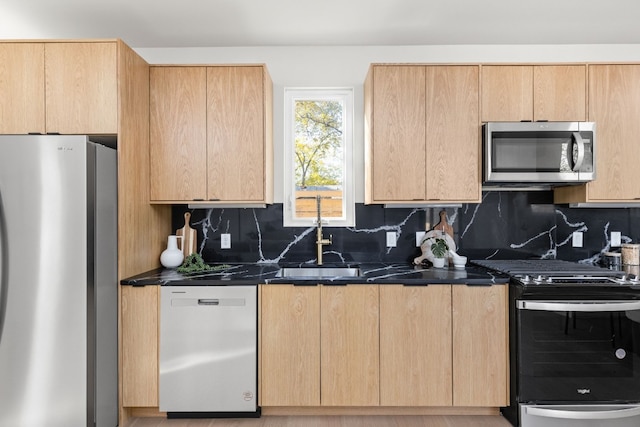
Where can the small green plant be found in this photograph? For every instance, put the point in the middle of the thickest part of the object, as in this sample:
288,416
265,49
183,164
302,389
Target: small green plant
439,248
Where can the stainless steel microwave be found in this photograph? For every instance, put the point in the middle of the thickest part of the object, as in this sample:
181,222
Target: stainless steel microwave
539,152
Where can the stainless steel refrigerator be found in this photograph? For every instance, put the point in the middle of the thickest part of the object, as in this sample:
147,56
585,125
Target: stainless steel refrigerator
58,282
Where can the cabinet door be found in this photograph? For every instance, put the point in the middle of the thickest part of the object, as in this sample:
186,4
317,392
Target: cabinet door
452,134
236,133
614,104
290,345
22,88
560,92
415,345
349,346
81,88
178,139
398,157
480,346
139,348
507,93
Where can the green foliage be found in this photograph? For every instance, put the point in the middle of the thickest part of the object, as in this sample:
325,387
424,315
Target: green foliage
439,248
195,264
318,143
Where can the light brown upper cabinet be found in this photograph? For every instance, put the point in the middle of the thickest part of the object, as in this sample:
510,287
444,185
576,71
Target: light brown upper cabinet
422,139
81,88
211,134
22,88
66,88
178,133
614,105
513,93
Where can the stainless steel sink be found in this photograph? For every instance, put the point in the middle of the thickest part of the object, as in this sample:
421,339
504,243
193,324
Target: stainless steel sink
318,272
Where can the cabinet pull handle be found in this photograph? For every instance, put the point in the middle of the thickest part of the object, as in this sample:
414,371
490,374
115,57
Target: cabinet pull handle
198,200
215,199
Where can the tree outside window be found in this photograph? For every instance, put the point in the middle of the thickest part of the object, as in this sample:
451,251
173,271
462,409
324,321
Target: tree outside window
319,153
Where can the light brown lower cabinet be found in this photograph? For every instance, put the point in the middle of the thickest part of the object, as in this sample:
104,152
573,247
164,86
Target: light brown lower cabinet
480,345
319,345
139,368
415,345
290,345
349,345
384,345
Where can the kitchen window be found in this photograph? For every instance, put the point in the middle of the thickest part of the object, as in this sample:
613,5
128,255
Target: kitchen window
318,147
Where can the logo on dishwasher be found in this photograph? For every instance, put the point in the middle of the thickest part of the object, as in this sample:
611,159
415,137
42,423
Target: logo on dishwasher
247,395
584,391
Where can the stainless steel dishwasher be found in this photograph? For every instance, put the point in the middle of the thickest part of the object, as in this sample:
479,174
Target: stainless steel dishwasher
208,351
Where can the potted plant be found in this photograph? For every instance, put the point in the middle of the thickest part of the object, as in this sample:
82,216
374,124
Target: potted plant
439,248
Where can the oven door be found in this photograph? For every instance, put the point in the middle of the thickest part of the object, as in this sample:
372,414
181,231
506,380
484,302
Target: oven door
578,351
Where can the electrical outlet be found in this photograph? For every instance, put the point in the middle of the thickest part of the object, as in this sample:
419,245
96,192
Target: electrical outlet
419,237
616,239
392,239
225,241
577,239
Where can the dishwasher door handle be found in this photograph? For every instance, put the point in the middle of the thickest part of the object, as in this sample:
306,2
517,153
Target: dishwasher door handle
223,302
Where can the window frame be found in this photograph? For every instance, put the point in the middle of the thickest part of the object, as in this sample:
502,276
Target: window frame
345,95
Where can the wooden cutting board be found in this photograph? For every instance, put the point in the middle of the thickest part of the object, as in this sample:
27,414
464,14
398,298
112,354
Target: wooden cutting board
188,236
443,225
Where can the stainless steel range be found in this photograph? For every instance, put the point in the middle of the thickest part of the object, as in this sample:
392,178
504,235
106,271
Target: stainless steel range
574,344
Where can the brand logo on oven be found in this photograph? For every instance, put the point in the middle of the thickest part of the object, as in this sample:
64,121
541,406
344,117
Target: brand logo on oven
584,391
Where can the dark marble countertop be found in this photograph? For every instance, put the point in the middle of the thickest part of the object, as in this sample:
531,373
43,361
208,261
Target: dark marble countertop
374,273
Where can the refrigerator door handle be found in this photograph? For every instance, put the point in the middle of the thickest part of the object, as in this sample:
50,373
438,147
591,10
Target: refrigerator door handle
4,267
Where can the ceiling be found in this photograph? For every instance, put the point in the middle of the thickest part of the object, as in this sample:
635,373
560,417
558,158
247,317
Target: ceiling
232,23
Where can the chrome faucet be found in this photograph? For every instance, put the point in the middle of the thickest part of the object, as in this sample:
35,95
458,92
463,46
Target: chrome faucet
320,241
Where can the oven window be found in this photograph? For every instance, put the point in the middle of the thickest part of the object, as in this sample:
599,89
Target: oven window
594,353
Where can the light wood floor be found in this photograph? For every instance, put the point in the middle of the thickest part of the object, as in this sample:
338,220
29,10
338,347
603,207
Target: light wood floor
331,421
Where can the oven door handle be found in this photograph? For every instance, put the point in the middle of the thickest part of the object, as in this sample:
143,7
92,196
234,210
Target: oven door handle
589,306
584,415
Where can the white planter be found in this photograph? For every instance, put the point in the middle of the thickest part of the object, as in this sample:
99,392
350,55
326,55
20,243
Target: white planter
171,257
438,262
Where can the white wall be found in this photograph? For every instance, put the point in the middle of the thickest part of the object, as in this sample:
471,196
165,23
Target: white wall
346,66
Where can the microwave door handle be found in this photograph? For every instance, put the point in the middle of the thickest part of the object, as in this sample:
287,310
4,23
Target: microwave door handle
580,143
584,415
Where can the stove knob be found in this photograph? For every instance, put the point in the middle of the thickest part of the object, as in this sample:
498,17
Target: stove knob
540,278
526,278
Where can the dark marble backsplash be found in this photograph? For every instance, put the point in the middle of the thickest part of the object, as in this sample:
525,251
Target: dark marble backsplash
505,224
